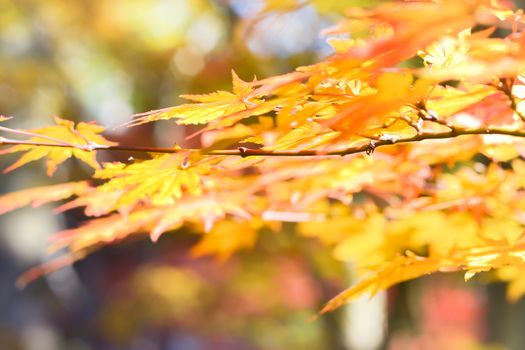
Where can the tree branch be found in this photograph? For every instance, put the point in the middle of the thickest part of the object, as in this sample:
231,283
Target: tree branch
505,86
248,152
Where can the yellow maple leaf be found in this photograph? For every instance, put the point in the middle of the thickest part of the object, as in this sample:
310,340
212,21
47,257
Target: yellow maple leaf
447,52
226,238
307,135
494,254
446,101
65,132
209,107
159,181
399,269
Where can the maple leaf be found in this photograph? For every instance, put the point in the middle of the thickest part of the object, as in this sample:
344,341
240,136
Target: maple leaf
226,238
476,57
401,268
76,139
216,139
95,233
209,107
205,210
497,254
155,220
413,25
307,135
447,101
159,181
38,196
224,109
96,203
361,111
447,51
48,267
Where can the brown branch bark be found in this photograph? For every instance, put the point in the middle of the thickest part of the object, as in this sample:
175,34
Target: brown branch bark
367,147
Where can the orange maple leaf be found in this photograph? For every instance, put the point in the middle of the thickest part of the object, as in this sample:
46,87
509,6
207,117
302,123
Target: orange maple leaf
38,196
393,91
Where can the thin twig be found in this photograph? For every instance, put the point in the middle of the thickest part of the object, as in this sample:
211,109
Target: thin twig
505,86
32,134
430,116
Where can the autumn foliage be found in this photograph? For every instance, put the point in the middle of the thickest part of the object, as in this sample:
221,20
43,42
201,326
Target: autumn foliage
403,151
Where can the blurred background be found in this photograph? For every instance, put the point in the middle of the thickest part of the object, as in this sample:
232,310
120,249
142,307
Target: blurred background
105,60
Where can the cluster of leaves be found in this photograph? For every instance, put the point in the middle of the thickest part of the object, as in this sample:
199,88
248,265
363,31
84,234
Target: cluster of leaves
402,150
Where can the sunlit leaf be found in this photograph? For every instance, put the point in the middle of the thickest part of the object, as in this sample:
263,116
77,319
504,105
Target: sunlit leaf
226,238
65,132
38,196
158,181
